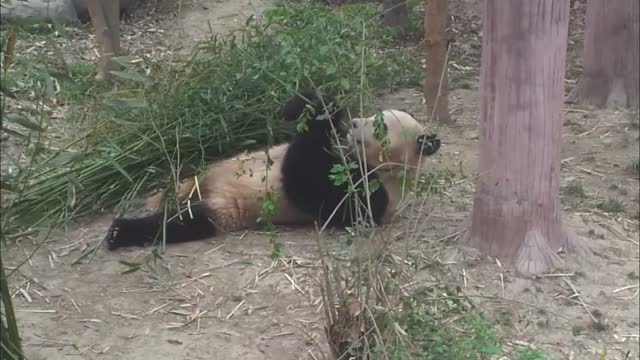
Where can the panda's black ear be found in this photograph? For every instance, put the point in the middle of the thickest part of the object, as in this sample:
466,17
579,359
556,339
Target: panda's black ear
429,144
295,106
408,112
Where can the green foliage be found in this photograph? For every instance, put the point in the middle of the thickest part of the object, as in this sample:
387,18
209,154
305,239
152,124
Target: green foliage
341,173
426,319
574,189
226,99
10,342
32,61
267,206
611,205
337,46
379,132
429,183
439,323
37,26
433,340
528,354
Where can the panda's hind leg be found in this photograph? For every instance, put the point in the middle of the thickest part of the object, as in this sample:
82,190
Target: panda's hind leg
196,224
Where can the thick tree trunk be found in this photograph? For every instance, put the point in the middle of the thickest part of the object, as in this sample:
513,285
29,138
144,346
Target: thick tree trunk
611,76
516,211
105,18
395,13
436,82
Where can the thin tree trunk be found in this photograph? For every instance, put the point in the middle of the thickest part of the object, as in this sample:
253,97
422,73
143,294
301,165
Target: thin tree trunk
436,82
112,14
395,13
516,211
611,76
105,18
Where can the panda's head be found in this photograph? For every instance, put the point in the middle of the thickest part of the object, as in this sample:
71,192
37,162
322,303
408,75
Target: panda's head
393,139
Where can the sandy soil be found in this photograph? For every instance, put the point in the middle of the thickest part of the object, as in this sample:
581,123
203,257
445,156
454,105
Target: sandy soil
225,299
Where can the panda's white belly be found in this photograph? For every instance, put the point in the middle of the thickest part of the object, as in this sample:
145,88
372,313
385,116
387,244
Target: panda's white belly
235,186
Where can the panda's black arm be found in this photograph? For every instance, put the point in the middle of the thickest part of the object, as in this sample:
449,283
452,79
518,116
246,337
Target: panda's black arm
306,168
308,179
309,163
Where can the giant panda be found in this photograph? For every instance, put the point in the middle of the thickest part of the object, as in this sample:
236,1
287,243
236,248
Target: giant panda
225,197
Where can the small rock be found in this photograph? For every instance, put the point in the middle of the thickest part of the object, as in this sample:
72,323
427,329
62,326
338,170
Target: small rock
607,142
470,135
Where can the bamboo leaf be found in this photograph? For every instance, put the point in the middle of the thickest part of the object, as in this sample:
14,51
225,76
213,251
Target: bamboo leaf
130,264
122,122
132,76
10,339
123,61
14,133
126,103
24,121
120,169
64,158
130,270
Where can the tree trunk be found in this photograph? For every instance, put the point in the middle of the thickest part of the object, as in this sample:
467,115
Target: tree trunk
611,76
395,13
516,211
436,77
105,18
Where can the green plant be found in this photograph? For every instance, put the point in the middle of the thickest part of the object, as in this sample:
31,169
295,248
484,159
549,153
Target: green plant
227,98
36,26
430,183
528,354
10,342
611,205
575,189
426,317
267,205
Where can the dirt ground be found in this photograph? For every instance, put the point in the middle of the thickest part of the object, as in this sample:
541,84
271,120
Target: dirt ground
225,299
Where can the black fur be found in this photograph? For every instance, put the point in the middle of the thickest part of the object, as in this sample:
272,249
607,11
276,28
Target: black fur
308,163
195,225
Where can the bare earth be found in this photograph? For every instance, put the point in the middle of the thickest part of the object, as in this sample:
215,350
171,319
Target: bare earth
225,299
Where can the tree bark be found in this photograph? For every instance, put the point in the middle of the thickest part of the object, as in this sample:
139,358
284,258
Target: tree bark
436,75
611,76
105,18
516,211
395,13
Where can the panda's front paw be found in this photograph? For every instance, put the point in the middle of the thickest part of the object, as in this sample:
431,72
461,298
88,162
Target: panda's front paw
112,238
430,144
